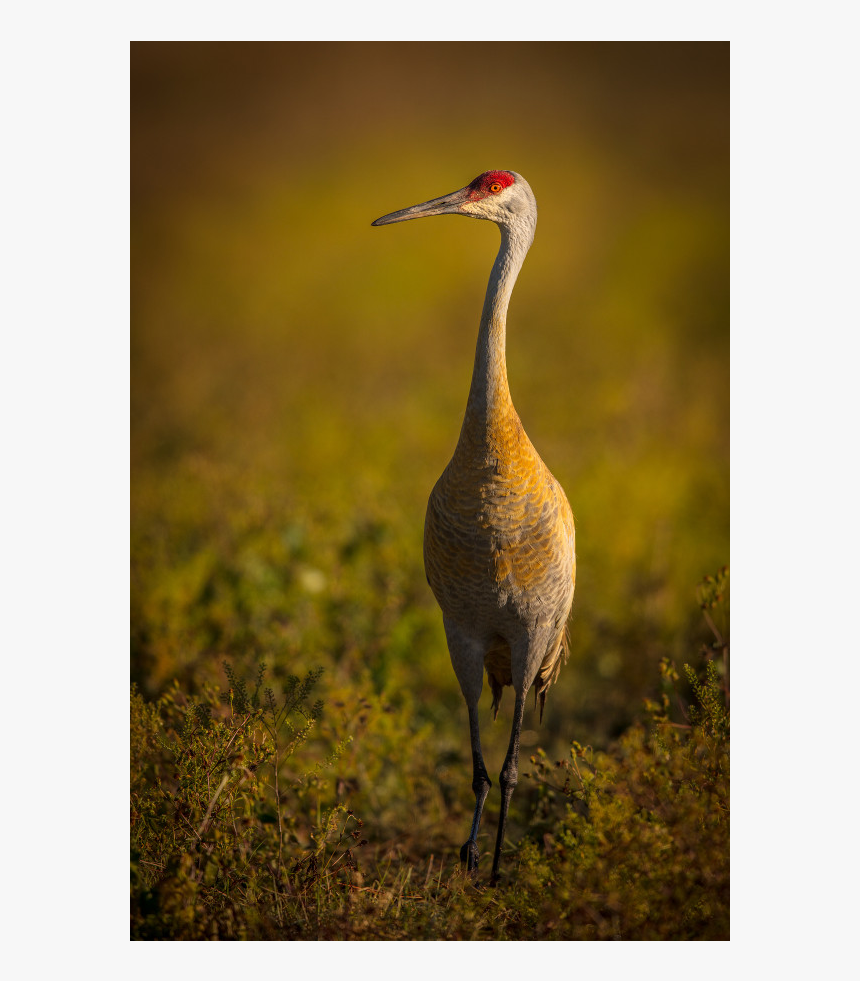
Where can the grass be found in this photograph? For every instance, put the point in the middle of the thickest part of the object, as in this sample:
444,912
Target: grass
239,829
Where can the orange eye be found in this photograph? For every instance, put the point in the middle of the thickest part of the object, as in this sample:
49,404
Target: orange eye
495,187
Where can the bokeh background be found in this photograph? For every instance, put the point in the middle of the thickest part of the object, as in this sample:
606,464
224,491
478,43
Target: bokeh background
299,378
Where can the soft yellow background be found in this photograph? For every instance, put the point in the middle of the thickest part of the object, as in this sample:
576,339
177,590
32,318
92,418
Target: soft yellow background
298,377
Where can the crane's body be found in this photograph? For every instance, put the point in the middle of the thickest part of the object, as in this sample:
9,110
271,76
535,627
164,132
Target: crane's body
499,548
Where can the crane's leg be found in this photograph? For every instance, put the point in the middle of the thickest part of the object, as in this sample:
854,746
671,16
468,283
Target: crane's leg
481,785
467,658
508,778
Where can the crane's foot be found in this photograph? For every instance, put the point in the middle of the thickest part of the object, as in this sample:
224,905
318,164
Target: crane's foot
469,855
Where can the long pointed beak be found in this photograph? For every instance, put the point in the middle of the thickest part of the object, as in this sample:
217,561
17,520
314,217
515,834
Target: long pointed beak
448,204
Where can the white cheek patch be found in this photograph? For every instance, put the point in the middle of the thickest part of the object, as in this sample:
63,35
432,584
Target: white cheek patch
489,207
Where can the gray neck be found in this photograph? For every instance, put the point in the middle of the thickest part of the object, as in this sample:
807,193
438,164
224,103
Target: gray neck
489,394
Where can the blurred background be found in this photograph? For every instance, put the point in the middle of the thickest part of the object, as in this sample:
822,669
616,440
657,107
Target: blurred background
299,378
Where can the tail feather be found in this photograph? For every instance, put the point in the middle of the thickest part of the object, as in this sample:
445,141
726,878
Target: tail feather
549,670
497,661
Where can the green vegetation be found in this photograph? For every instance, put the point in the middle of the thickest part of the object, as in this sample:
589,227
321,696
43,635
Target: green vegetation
237,832
298,383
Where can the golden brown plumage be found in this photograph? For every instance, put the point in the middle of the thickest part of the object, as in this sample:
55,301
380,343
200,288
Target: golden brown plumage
499,536
499,545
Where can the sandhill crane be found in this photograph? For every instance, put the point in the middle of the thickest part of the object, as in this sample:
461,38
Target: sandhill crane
498,536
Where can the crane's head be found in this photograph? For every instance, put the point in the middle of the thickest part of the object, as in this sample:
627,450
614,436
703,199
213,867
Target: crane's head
501,196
